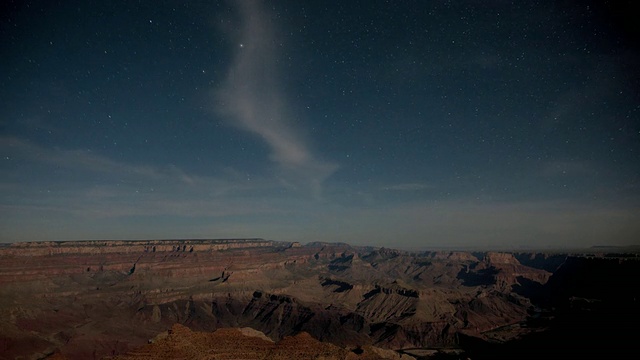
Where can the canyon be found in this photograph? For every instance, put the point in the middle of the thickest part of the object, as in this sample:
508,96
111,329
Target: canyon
128,299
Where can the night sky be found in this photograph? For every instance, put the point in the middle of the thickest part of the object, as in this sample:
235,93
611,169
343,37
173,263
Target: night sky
408,124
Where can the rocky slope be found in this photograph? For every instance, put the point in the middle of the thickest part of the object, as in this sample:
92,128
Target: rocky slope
90,299
233,343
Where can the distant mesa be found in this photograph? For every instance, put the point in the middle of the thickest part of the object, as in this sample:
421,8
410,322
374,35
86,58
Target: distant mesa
130,246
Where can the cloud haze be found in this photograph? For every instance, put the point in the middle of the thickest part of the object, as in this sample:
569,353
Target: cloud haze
253,100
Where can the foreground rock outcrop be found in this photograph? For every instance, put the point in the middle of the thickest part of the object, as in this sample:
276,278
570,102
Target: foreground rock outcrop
83,300
233,343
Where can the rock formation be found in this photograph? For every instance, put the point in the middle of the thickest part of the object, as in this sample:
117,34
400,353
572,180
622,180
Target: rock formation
95,299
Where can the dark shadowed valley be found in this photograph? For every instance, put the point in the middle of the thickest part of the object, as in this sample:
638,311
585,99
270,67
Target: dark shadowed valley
261,299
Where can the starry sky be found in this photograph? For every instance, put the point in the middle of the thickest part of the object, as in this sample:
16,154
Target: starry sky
408,124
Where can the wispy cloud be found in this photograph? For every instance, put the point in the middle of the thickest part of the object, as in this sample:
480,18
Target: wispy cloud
71,159
87,183
253,100
169,202
409,187
48,193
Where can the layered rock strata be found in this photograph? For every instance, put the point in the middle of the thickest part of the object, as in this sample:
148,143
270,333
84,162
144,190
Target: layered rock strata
103,298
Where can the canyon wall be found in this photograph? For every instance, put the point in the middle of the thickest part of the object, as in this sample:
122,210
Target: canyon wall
98,298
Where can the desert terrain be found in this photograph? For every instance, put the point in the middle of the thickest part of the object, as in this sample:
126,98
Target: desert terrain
263,299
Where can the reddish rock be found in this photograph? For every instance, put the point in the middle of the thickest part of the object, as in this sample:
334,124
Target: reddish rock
104,298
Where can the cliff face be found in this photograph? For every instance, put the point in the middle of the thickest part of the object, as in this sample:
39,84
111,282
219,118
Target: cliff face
127,247
78,299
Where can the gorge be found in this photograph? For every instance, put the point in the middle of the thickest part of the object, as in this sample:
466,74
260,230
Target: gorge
101,299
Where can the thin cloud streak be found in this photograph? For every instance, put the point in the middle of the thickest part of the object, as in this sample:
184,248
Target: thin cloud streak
116,188
409,187
76,159
74,194
87,162
253,100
